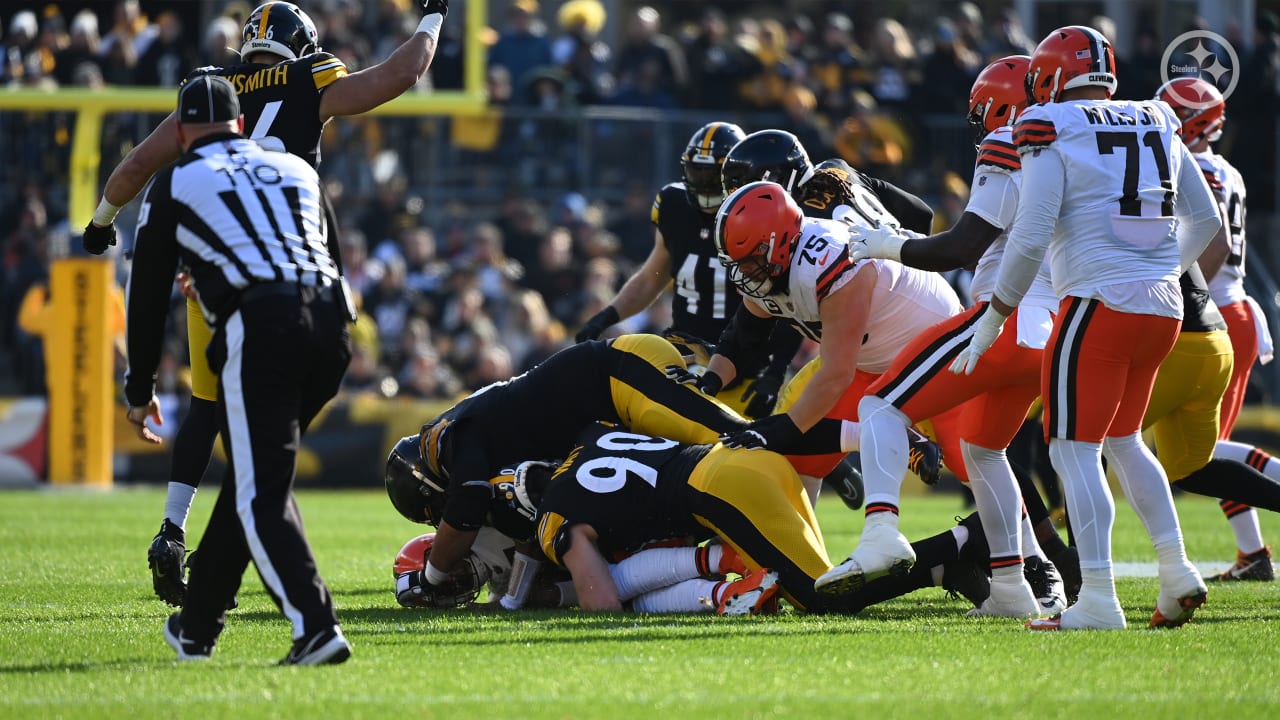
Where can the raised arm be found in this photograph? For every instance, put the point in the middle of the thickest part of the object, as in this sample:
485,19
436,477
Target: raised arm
365,90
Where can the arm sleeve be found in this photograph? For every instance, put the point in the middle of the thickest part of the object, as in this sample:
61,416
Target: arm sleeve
914,213
467,497
1043,180
155,260
1196,209
783,344
745,339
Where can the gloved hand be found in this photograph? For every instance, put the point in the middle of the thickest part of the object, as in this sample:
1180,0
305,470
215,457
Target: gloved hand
97,238
985,332
775,432
598,323
708,382
880,242
411,589
435,6
762,394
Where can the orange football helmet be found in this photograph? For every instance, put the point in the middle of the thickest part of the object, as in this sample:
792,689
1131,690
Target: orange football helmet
999,94
465,583
1070,57
756,232
1199,105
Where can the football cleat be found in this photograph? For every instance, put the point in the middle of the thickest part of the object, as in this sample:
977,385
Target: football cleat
1182,592
750,595
882,550
924,457
165,557
731,561
1046,583
1088,614
328,647
1009,599
1254,566
187,649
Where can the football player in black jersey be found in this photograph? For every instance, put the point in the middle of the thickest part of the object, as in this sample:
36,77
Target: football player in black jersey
684,257
624,380
288,89
618,488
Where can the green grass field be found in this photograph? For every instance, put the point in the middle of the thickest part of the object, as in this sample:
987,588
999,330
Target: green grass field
80,637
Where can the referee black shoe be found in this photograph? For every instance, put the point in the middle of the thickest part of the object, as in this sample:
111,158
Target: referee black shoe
165,555
187,648
328,647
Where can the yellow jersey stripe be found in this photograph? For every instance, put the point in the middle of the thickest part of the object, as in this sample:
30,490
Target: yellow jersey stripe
328,77
326,65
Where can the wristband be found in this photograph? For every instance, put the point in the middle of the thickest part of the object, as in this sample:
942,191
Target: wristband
105,214
431,25
434,575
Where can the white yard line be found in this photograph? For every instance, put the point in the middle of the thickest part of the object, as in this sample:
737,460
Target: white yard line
1148,569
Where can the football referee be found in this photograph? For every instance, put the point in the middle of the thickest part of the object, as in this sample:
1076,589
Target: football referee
250,226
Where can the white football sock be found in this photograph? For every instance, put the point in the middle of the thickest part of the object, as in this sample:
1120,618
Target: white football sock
1089,502
652,569
1240,452
1147,488
1247,530
1030,545
999,500
177,503
688,596
884,450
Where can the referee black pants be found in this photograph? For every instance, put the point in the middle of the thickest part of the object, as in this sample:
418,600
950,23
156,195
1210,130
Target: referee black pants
279,358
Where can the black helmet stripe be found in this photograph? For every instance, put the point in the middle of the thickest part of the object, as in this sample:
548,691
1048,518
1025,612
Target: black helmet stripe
1098,46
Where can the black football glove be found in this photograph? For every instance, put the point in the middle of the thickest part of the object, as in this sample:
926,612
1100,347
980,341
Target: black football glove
597,325
762,394
708,383
775,432
97,238
435,6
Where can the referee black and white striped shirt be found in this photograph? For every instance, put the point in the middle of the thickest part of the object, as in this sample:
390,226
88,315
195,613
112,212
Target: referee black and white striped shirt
236,215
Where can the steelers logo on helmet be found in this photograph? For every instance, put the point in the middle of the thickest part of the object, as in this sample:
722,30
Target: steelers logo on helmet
756,232
773,155
1070,57
701,162
280,28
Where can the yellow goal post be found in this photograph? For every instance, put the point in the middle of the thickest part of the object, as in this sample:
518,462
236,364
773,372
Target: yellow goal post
91,106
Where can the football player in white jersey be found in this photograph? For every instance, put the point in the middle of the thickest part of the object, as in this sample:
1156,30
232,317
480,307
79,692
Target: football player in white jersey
997,397
797,268
1115,198
1201,108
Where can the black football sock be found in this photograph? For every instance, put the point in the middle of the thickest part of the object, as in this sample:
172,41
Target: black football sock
194,442
1230,480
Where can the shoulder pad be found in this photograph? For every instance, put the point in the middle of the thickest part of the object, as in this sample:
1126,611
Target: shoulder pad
1034,131
998,151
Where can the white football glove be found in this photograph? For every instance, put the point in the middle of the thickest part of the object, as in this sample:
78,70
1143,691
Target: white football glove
879,242
985,333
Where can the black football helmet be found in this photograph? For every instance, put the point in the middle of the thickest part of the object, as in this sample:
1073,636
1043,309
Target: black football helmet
279,28
773,155
414,490
516,493
701,163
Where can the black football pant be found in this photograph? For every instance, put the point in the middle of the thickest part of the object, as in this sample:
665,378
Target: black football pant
279,359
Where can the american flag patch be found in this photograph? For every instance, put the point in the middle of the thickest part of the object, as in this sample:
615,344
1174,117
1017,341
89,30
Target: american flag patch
1082,54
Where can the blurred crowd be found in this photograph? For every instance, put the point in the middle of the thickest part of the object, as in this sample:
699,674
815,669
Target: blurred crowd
464,295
